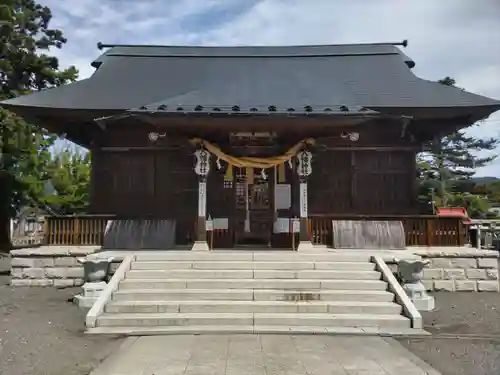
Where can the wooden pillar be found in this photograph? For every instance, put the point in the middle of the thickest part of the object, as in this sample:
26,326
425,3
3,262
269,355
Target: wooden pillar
202,168
304,171
304,215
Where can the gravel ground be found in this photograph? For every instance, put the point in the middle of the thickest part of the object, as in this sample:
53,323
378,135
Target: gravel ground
41,333
466,334
4,265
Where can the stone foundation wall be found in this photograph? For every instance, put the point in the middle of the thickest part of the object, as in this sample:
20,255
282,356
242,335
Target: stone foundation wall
463,270
55,266
467,271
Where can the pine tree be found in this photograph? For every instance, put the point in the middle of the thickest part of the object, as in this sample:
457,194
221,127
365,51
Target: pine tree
25,66
452,160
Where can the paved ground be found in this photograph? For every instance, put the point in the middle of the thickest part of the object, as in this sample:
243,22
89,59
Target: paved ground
466,334
262,355
42,334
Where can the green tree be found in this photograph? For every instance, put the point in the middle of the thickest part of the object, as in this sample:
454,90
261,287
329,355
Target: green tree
451,160
25,66
69,188
491,190
477,207
494,191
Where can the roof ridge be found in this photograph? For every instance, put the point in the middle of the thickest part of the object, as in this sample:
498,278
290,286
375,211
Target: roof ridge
101,45
256,56
252,51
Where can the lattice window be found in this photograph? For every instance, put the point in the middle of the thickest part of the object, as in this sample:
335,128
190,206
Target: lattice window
240,194
259,195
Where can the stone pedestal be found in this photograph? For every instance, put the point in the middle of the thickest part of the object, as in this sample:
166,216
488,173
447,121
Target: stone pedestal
304,243
95,274
305,246
90,293
200,246
418,294
411,273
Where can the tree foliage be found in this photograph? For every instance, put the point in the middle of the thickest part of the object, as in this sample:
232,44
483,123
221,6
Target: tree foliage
25,66
493,191
68,189
449,162
489,191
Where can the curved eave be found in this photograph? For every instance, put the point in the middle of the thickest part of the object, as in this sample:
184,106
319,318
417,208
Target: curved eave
34,112
76,125
472,113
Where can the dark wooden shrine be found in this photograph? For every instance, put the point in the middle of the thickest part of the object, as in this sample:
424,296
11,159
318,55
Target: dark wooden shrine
366,111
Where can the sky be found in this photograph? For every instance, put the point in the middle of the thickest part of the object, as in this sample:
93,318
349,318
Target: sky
456,38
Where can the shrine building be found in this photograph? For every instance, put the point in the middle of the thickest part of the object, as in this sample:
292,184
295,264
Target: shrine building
249,143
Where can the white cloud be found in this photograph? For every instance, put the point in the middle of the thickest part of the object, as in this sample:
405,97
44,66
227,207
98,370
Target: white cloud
457,38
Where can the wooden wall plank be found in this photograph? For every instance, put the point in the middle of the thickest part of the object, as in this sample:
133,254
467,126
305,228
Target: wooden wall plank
362,182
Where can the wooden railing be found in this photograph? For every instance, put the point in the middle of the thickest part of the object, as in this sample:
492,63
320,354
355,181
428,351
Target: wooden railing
423,230
419,230
27,231
84,230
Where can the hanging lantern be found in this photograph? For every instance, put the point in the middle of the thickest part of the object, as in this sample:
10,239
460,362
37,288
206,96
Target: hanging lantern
304,167
202,166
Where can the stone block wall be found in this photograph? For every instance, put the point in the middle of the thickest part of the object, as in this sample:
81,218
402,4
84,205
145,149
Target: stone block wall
54,266
471,271
463,270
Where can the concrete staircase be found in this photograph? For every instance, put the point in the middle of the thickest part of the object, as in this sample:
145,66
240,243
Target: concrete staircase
252,292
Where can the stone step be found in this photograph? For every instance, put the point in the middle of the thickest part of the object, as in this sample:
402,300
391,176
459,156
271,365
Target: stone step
317,330
333,307
189,274
251,274
169,330
323,295
251,265
128,294
336,320
309,284
174,319
194,256
250,294
320,256
258,256
257,319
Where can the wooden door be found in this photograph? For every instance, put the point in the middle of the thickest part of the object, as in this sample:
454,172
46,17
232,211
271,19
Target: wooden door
256,196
